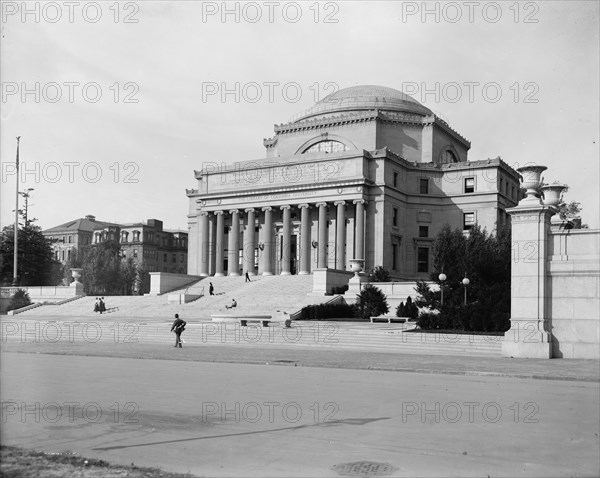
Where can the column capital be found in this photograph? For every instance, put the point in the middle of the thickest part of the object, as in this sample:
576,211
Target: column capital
319,204
287,206
219,213
360,201
234,211
267,208
250,209
340,203
203,213
300,206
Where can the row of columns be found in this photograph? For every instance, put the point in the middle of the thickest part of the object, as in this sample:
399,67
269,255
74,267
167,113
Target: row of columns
249,239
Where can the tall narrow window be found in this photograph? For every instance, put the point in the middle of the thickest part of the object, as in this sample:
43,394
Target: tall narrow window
395,218
468,220
394,256
423,259
395,180
423,231
424,186
469,185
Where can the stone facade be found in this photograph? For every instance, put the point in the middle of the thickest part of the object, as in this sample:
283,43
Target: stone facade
367,173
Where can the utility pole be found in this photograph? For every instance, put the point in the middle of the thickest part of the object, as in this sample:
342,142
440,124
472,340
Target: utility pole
15,258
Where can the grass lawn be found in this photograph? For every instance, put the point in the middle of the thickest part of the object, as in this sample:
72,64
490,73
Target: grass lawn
18,462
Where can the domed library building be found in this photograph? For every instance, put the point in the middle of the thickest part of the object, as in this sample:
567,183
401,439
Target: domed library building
367,173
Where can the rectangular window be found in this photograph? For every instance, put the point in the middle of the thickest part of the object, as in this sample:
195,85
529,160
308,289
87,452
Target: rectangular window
424,186
423,259
468,220
135,253
395,218
181,257
394,256
469,185
395,180
423,231
174,257
165,258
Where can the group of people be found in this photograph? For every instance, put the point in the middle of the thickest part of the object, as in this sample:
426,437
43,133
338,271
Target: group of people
99,306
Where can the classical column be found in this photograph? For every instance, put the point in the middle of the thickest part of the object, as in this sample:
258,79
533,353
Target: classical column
268,244
203,219
233,260
249,243
304,239
212,220
219,245
322,251
359,232
286,241
340,243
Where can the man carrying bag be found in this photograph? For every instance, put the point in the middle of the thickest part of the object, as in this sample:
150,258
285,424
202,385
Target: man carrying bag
178,327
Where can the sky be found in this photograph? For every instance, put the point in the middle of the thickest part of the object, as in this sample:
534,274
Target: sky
117,103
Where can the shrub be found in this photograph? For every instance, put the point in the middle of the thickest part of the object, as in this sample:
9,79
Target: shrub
19,299
327,311
379,274
409,310
371,302
339,289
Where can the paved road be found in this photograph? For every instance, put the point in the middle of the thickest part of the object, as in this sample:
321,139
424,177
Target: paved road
216,419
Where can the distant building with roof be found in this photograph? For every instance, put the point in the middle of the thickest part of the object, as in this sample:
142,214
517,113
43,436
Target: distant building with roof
367,173
148,244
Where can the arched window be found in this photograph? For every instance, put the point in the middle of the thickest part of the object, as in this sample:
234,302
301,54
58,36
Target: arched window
136,236
124,235
327,146
448,157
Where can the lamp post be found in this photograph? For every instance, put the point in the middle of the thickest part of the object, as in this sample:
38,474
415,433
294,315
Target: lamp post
442,278
15,280
466,282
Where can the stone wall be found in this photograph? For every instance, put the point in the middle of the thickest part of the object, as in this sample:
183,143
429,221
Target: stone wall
573,277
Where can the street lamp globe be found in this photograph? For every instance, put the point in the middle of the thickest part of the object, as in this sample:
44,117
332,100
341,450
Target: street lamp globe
466,281
442,277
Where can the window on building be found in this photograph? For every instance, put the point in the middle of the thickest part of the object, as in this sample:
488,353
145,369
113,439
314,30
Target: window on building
70,239
136,236
135,253
182,258
424,186
394,256
423,231
513,192
165,258
468,220
63,255
395,179
328,146
506,189
395,217
174,257
448,157
423,259
469,185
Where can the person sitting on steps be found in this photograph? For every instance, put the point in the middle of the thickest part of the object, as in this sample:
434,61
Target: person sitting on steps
233,304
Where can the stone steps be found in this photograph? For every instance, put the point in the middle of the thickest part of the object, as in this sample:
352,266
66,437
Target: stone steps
328,335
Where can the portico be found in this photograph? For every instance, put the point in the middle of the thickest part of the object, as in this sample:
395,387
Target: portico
290,238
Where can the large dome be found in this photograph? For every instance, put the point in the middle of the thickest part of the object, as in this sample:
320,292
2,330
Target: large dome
365,97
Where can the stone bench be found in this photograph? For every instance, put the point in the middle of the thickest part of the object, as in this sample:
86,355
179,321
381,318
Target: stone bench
388,318
243,319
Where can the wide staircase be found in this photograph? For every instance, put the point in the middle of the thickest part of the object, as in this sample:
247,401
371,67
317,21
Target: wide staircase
263,295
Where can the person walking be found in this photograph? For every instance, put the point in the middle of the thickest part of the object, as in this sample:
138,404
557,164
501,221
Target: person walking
101,305
97,305
211,289
178,327
248,277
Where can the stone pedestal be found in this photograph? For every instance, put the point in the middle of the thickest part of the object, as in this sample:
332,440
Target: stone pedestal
528,336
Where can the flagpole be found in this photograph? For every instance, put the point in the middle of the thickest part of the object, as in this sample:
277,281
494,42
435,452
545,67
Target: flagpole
15,258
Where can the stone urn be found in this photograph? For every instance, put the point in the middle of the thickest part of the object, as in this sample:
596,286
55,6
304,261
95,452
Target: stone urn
553,193
532,178
356,266
76,273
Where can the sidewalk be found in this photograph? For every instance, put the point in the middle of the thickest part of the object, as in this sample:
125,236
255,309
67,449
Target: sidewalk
553,369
